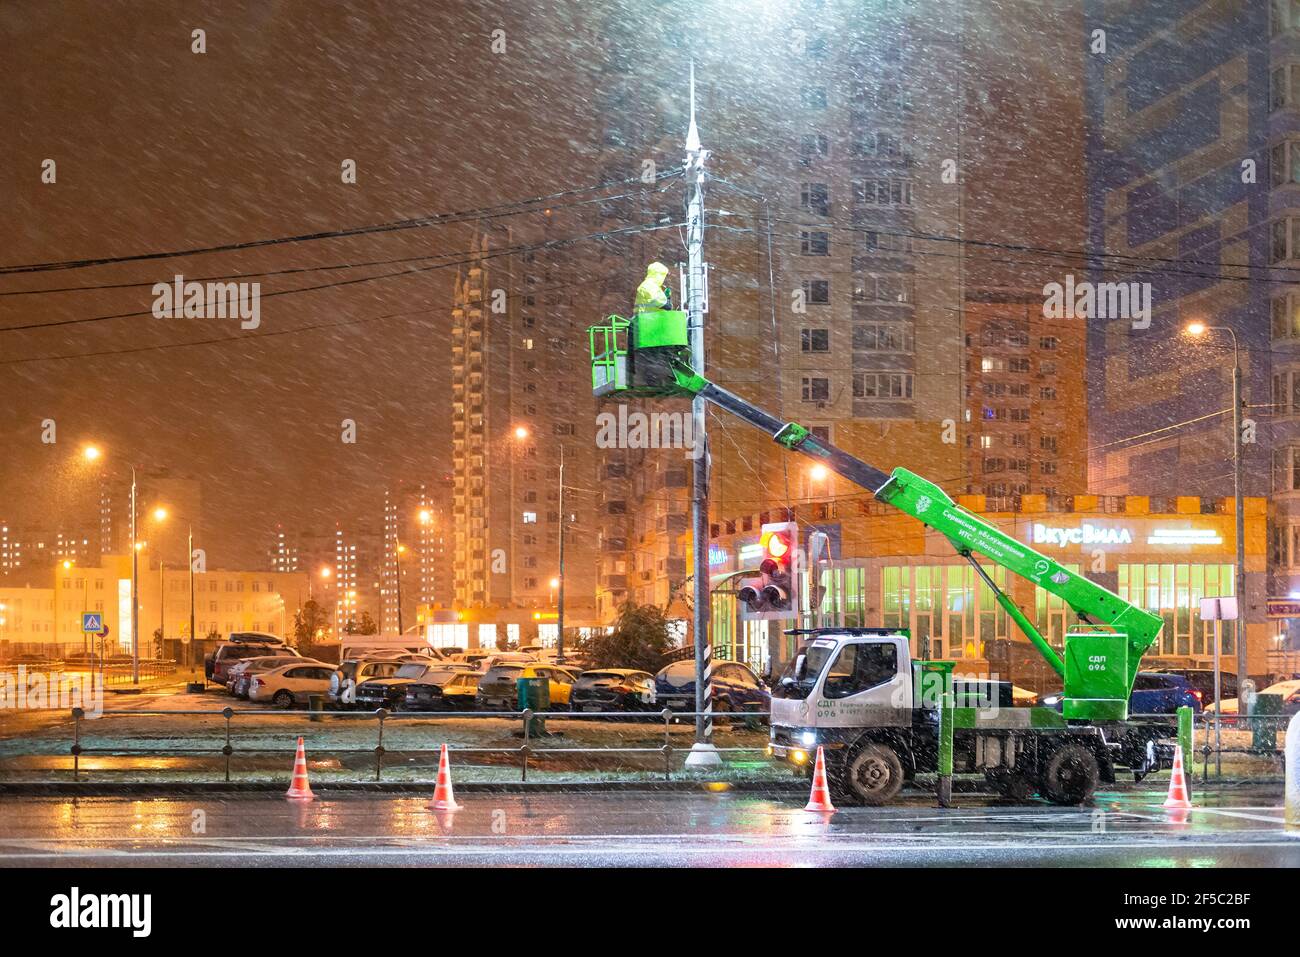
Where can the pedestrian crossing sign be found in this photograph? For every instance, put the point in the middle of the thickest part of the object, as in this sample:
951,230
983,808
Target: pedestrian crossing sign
92,622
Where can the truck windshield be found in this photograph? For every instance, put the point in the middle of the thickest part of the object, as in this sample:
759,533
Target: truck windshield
790,687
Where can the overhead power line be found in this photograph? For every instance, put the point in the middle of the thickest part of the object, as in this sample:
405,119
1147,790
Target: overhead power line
245,338
437,219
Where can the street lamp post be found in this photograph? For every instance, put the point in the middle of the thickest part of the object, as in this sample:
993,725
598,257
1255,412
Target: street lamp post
135,592
1198,329
397,559
559,603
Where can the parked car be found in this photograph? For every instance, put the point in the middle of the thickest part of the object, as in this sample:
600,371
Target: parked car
498,691
1154,692
1202,680
241,673
613,689
442,691
1289,690
353,671
391,692
735,687
289,685
216,666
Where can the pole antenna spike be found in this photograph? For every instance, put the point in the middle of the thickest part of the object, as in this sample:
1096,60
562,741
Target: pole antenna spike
692,131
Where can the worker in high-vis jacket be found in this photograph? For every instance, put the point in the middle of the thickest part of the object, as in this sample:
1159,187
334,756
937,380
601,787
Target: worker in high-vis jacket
652,294
652,365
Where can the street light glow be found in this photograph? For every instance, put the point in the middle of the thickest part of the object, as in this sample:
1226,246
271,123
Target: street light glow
425,516
818,472
91,453
521,433
159,514
1196,328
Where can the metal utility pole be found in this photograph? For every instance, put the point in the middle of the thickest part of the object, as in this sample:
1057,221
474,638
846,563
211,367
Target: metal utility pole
1241,518
190,549
559,595
135,591
703,753
397,559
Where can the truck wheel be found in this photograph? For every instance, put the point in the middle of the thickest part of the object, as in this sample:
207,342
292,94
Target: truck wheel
1071,775
874,775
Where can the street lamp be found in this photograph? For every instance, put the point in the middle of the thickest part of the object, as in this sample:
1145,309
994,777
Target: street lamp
401,550
1198,329
522,433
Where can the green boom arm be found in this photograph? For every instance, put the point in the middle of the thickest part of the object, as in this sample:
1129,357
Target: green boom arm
1093,688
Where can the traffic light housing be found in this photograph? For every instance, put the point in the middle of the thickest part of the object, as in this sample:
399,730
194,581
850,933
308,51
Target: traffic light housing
773,593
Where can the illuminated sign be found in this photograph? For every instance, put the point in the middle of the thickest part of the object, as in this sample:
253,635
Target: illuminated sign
1085,534
718,555
1283,608
1184,536
1089,534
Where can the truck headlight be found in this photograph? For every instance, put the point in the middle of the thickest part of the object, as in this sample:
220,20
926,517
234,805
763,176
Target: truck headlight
808,738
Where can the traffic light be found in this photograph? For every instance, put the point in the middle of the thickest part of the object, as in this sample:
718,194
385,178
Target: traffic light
773,593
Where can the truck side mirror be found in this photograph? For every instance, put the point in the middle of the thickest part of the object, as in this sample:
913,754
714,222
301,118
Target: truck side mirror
800,667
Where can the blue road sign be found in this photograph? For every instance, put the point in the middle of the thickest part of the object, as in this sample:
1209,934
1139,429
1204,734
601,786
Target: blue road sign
92,622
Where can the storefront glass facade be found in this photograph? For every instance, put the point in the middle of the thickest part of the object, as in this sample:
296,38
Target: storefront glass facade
1174,592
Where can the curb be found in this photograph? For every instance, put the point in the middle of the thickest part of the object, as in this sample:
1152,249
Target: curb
177,789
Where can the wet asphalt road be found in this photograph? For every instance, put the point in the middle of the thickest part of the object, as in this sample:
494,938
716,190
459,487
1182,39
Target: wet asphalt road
1124,829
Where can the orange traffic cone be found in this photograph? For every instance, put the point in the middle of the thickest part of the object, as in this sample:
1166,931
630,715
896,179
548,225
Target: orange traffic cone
1178,797
299,788
820,800
443,800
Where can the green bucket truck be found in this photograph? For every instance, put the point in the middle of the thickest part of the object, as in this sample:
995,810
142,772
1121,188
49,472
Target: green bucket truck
857,692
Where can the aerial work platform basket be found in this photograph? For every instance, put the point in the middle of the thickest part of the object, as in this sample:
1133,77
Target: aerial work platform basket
641,356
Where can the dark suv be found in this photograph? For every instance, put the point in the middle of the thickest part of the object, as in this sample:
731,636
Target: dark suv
217,665
735,687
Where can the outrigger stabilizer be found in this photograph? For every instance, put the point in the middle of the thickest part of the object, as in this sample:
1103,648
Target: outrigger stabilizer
649,356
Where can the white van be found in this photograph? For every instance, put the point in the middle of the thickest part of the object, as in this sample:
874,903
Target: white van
361,646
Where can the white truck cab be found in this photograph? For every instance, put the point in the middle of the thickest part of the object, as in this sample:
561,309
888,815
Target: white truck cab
857,694
846,680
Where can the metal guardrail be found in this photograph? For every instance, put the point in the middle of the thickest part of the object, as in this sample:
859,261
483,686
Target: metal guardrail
526,750
114,674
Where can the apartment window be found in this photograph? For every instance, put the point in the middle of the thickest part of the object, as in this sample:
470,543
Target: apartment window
1047,468
813,147
1284,163
1284,86
886,288
1285,239
530,518
874,241
817,292
814,243
822,432
816,198
883,192
995,465
1286,317
815,340
993,364
1286,392
816,389
882,385
1047,392
1286,469
813,97
1049,343
883,337
1282,16
1047,443
1019,415
1018,365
